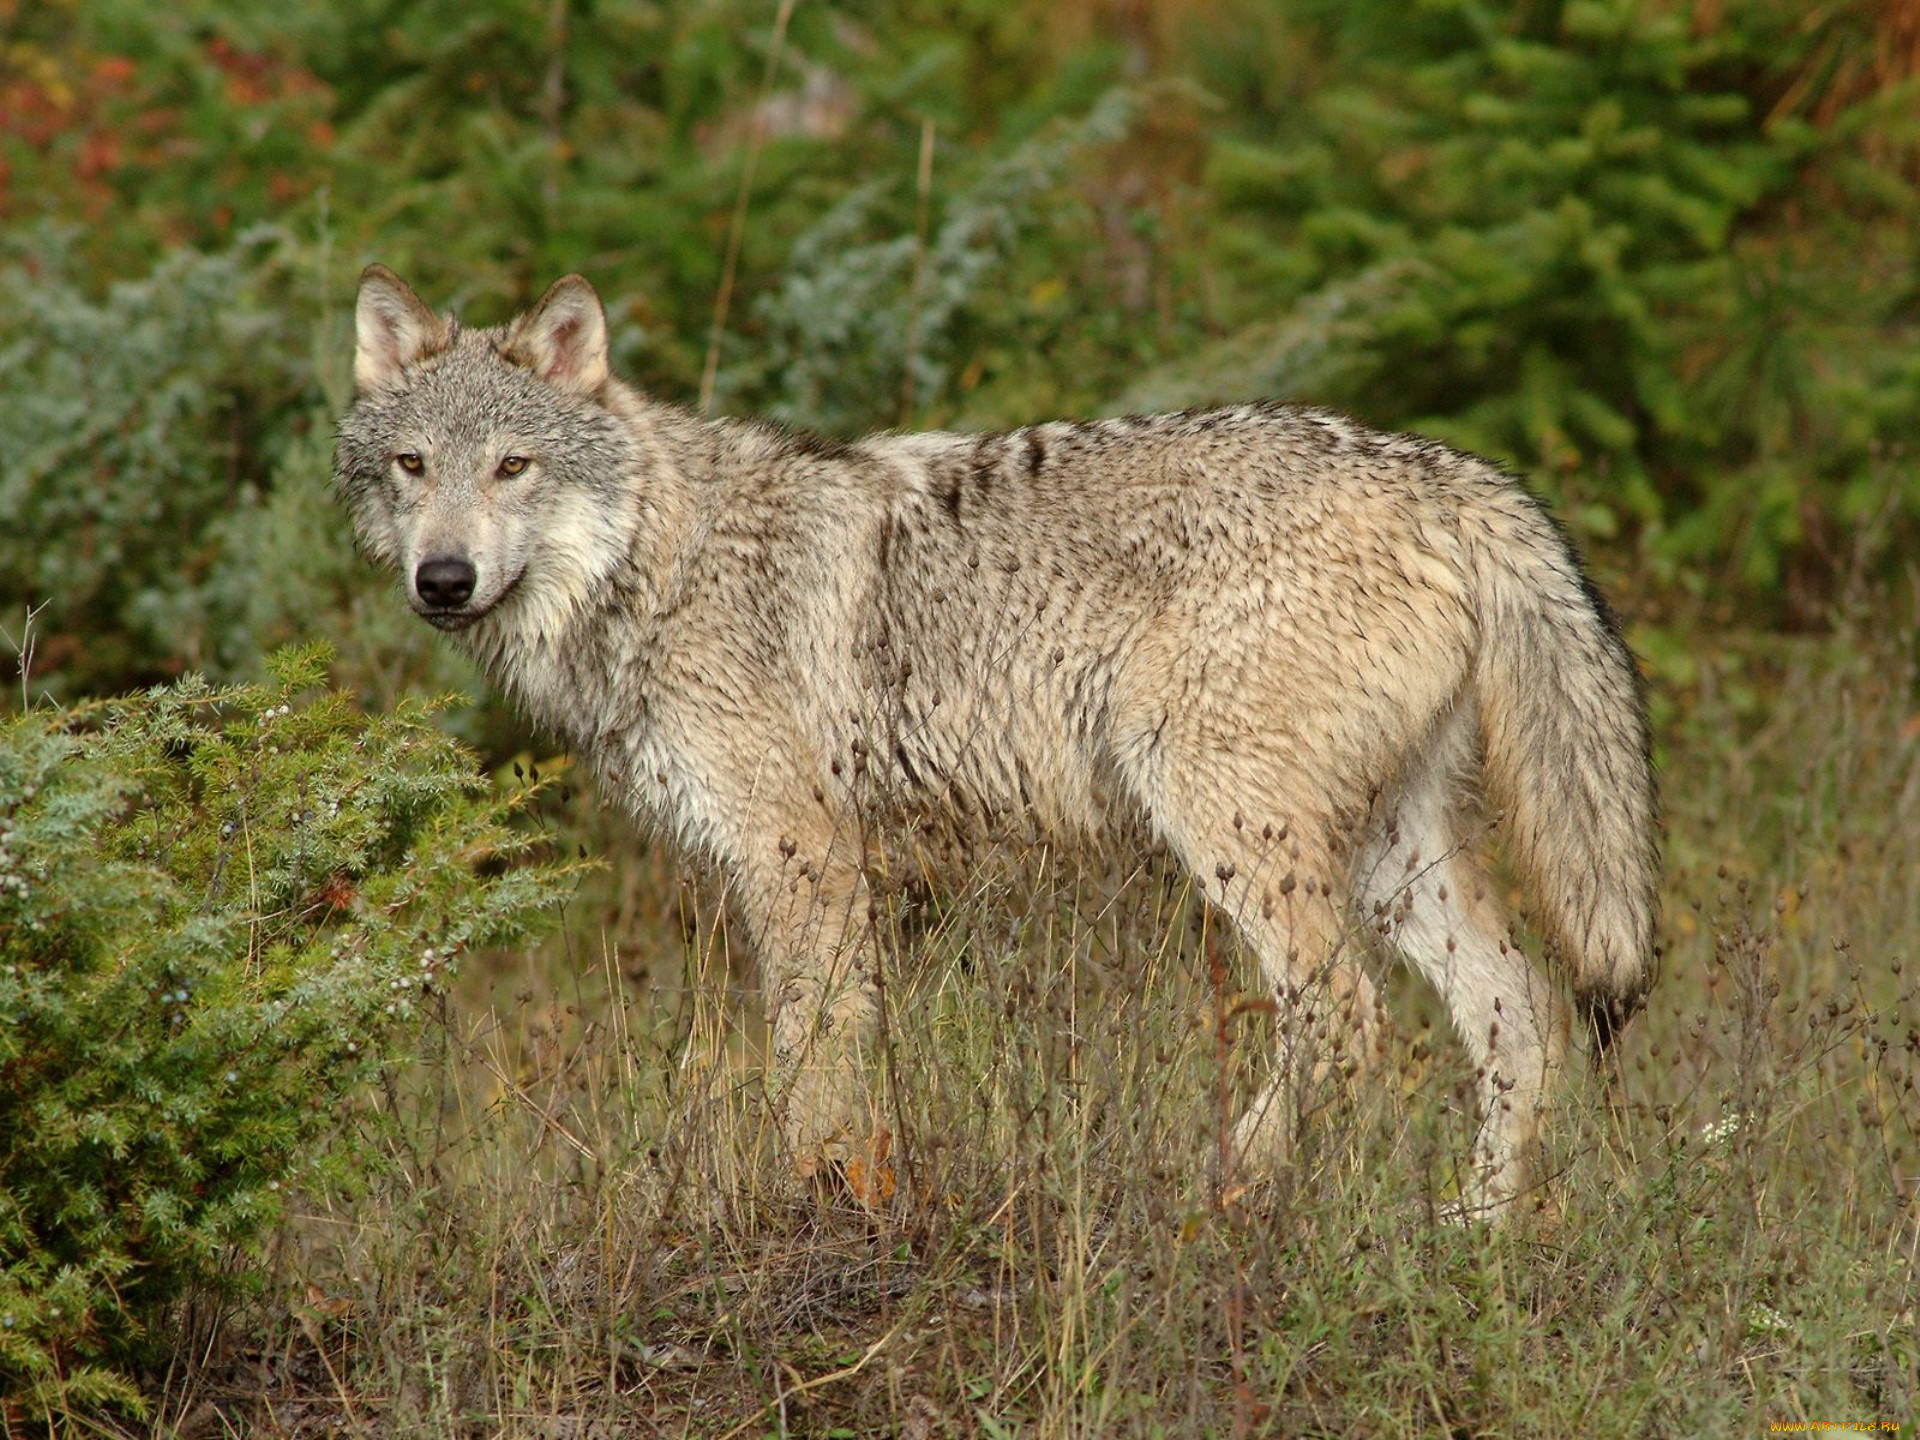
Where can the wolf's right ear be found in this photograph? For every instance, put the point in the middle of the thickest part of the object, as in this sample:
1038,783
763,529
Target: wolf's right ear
393,328
563,339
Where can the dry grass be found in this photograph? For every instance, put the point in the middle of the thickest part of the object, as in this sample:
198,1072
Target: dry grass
583,1227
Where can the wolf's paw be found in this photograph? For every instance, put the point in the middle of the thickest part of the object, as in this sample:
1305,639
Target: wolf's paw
869,1177
855,1167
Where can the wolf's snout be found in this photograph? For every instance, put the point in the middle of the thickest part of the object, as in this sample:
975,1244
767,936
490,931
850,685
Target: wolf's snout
445,584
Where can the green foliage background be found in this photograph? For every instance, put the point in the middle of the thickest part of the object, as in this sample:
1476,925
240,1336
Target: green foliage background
1658,255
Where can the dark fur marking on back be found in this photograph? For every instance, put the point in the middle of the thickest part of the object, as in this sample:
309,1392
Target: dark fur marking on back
813,445
984,464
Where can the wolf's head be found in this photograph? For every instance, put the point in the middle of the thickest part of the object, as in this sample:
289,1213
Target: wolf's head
484,465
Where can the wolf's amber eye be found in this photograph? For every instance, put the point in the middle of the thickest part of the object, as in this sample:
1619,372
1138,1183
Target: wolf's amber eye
410,462
513,465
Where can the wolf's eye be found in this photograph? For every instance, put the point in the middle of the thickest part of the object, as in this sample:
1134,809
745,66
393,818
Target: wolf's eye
513,465
410,462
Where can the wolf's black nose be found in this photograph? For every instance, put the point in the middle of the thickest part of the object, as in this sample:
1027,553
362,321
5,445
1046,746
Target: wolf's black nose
444,584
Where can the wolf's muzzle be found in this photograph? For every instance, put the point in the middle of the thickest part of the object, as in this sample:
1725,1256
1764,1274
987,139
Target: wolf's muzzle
444,584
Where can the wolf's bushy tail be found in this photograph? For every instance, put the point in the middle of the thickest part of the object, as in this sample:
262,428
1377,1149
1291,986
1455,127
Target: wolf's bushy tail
1564,727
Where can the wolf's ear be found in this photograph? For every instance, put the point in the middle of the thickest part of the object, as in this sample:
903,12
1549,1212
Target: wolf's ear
392,328
563,339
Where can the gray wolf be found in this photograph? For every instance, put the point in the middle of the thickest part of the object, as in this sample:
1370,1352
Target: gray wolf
1311,661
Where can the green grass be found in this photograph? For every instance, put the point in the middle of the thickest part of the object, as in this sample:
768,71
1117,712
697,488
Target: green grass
583,1228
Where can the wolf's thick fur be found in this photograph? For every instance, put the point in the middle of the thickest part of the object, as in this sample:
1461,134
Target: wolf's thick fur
1294,651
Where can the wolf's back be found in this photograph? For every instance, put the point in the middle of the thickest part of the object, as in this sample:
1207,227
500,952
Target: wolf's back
1567,755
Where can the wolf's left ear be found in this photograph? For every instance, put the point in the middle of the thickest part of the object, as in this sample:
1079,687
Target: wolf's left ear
563,339
392,329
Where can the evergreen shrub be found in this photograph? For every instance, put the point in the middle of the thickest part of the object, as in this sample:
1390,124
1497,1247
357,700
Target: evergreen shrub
222,912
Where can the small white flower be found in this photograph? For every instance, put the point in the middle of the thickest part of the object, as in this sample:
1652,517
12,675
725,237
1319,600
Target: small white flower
1723,1129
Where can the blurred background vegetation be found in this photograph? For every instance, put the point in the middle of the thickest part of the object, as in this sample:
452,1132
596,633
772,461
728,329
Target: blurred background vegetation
1656,255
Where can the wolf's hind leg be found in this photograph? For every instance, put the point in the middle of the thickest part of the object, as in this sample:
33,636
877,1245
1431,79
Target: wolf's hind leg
1328,1024
1279,880
1429,898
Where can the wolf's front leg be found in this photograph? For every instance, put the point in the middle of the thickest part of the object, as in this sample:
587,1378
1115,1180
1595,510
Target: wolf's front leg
815,933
